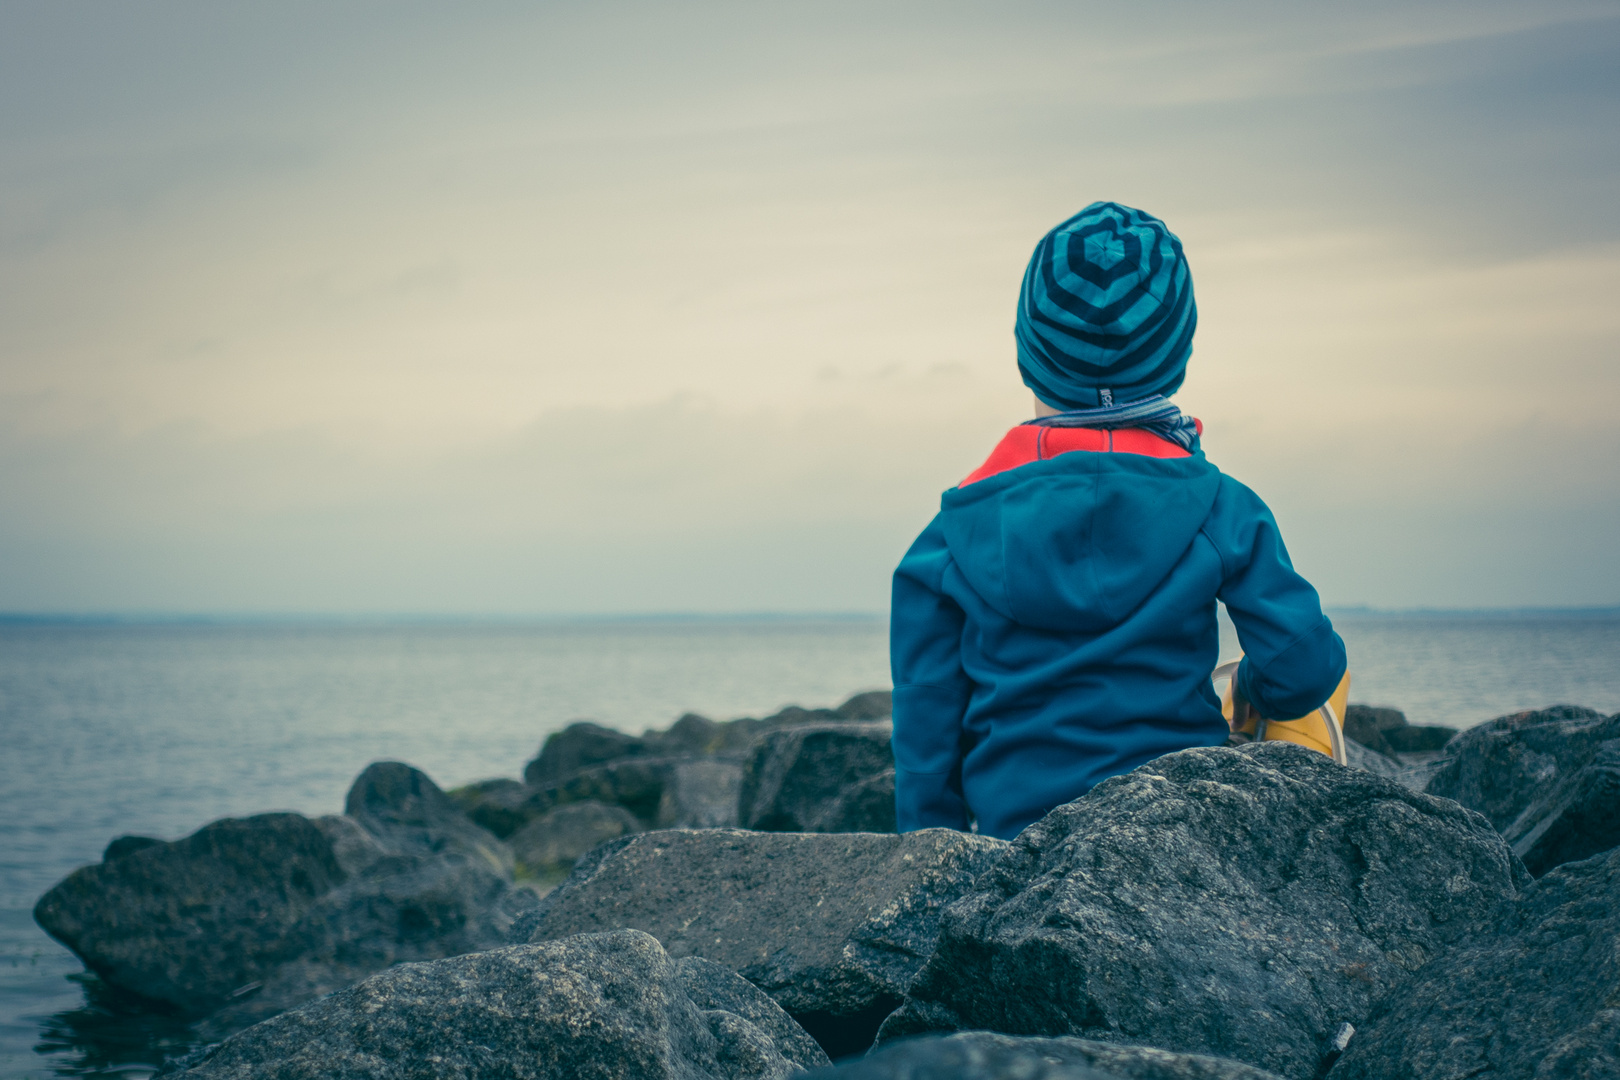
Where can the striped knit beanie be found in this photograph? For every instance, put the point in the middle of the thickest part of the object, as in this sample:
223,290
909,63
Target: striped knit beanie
1106,314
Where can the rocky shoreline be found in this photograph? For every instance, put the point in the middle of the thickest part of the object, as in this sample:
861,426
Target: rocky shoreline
730,901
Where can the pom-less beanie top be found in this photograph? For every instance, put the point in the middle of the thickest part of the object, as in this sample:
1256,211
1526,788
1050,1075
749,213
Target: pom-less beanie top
1106,314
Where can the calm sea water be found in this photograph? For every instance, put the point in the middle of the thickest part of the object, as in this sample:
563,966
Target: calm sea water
157,729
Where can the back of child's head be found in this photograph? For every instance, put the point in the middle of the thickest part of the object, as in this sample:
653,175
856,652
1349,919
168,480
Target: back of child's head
1106,314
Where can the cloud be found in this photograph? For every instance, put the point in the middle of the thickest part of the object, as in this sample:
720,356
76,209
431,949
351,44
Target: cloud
619,308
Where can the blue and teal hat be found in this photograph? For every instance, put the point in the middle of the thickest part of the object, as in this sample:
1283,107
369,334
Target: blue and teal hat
1106,314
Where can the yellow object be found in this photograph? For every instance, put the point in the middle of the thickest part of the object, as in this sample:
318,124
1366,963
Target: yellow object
1322,730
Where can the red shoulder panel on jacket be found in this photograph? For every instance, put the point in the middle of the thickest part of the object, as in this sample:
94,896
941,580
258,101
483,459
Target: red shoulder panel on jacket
1028,442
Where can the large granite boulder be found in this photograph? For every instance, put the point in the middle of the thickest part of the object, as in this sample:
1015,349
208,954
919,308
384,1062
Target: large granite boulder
189,923
835,777
832,926
1245,903
410,815
248,917
1535,995
600,1006
547,847
1548,779
985,1055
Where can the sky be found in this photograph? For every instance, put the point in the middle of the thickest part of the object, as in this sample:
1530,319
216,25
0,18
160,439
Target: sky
532,309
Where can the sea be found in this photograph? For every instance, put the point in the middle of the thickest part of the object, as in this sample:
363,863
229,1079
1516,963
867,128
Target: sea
158,727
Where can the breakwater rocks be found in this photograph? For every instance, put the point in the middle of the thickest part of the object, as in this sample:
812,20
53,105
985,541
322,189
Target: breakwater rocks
729,900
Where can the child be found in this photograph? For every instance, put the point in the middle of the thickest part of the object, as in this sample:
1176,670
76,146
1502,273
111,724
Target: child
1055,624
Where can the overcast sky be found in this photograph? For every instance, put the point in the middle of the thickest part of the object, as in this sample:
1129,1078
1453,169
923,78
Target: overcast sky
629,307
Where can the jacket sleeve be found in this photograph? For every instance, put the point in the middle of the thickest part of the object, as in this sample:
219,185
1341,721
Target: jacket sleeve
930,689
1292,659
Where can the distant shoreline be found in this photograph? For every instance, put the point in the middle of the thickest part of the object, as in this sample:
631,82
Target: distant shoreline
427,620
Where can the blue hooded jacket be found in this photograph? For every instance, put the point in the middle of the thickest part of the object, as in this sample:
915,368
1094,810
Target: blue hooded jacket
1055,625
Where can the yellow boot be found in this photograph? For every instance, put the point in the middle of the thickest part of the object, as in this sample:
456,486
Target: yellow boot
1322,730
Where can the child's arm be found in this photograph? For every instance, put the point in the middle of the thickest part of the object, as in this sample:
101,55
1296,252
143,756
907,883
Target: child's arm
930,690
1292,660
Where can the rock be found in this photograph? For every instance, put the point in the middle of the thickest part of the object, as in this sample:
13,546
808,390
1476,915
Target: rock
245,918
1420,738
1360,756
497,805
606,1005
832,926
871,705
1244,903
1534,996
713,986
128,845
189,922
636,784
1547,779
405,908
701,794
984,1055
547,847
408,813
821,778
1366,724
579,746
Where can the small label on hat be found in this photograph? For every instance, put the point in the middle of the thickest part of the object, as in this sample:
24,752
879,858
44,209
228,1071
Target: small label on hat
1107,396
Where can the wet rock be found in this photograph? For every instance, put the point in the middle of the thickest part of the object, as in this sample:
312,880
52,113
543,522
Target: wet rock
409,814
821,778
1532,996
701,794
189,922
607,1005
1548,779
984,1055
497,805
1244,903
832,926
547,847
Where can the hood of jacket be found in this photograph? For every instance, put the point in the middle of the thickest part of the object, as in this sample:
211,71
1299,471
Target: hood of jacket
1078,541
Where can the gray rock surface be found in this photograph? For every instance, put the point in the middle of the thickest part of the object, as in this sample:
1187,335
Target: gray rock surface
1536,995
701,794
498,805
832,926
984,1055
547,847
835,777
248,917
188,923
686,777
1366,724
713,986
1548,779
1238,902
408,813
588,1008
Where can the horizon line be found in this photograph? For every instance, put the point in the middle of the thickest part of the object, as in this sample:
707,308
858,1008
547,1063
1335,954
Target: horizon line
114,618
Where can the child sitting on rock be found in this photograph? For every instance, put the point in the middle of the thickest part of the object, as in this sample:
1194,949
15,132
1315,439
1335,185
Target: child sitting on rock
1055,624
